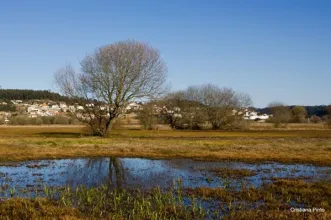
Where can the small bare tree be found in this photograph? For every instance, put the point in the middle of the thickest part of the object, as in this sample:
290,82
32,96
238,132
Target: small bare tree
111,77
315,119
299,114
147,117
281,114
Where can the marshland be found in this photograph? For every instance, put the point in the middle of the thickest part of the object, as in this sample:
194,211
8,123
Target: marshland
62,172
165,110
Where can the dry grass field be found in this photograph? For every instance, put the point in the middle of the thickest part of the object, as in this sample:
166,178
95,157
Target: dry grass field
290,126
313,146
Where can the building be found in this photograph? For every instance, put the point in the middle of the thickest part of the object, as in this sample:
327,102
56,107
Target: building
133,106
254,116
63,105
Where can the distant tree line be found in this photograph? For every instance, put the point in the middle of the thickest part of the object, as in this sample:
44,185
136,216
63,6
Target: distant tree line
318,110
211,107
282,114
44,120
28,94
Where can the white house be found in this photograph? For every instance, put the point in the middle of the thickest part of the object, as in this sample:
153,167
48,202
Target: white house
79,107
255,116
133,106
55,106
89,105
33,108
63,105
72,108
177,115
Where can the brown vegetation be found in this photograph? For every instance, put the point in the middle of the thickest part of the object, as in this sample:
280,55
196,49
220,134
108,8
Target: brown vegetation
20,208
299,114
281,114
232,173
293,146
275,200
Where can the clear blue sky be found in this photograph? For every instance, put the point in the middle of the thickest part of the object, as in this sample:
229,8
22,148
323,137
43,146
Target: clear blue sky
277,50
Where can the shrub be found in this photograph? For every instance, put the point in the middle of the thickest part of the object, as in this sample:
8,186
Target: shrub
147,118
22,120
74,121
13,121
239,124
47,120
61,120
299,114
35,121
39,121
328,123
315,119
281,115
325,118
32,121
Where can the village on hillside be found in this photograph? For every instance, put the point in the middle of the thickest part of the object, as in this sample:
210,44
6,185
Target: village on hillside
42,108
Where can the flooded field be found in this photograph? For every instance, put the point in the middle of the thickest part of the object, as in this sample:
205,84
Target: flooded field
135,173
136,188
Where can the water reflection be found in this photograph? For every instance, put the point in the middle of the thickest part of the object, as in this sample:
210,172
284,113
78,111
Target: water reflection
142,173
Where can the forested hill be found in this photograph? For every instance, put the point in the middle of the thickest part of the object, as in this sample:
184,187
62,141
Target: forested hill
28,94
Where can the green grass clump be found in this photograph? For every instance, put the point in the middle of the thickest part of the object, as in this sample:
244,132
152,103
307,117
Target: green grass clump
103,203
232,173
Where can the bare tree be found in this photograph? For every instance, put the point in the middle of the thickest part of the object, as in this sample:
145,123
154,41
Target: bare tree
299,114
220,105
315,119
280,113
111,77
325,118
147,117
176,112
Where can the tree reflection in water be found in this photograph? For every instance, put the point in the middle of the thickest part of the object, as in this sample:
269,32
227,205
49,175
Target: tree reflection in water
116,172
115,169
